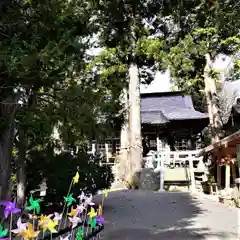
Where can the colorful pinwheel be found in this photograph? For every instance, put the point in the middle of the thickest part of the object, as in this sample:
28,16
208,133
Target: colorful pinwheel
100,220
3,232
88,201
34,205
57,216
76,178
92,213
73,212
79,234
74,221
21,227
80,208
29,233
93,223
9,208
99,210
69,200
82,196
50,226
43,221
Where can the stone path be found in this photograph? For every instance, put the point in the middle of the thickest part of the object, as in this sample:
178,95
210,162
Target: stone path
143,215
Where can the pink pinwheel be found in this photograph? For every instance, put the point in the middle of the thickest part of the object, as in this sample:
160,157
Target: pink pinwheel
10,207
74,220
21,227
88,201
80,208
57,216
82,196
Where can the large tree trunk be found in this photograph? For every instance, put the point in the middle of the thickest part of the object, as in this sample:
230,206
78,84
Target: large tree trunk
21,168
6,144
7,112
135,160
212,101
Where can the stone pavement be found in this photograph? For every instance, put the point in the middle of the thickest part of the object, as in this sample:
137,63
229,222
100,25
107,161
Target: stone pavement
143,215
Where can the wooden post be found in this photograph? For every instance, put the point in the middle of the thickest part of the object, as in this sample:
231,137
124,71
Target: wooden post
106,152
192,175
238,158
234,175
161,164
227,175
219,171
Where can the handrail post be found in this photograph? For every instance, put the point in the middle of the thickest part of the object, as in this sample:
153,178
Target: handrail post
192,176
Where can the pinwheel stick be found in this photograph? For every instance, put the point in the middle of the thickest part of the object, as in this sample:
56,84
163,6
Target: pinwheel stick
10,228
65,204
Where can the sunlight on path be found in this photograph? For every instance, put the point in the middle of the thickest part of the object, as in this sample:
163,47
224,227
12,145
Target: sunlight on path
144,215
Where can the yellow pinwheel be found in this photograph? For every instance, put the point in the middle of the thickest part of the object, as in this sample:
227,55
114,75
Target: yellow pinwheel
76,178
43,221
50,226
29,233
92,213
99,210
73,212
105,192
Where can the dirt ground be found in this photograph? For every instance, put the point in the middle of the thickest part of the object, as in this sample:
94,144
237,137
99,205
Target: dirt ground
146,215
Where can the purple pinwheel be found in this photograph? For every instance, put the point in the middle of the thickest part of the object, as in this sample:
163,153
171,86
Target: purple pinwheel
10,207
100,220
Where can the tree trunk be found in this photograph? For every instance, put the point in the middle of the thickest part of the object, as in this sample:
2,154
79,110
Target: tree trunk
135,161
212,101
21,168
123,157
6,143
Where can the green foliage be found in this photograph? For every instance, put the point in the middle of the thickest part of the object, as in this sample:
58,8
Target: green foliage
200,28
59,169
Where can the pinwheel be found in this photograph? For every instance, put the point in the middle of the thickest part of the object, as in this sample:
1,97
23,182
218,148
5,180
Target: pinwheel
80,208
93,223
21,227
65,238
43,221
29,233
74,221
99,210
79,234
34,205
69,200
100,220
10,208
57,216
73,212
3,232
76,178
88,201
92,213
105,192
82,196
50,226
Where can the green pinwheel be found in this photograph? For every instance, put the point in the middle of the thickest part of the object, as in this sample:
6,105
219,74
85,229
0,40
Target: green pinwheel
69,200
34,204
93,223
80,234
3,232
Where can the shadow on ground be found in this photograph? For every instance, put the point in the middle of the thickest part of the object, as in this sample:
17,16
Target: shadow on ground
153,216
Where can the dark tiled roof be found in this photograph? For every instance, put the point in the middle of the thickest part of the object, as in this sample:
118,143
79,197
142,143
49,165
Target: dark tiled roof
154,117
159,108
